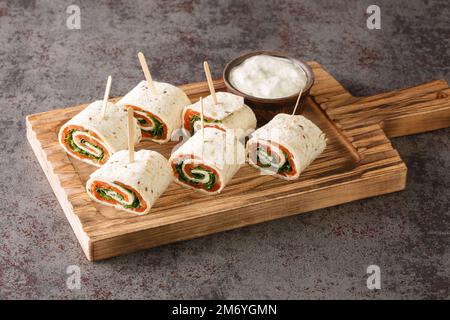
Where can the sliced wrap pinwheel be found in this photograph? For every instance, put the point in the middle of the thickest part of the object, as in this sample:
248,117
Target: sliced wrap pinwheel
132,187
229,113
158,114
93,139
207,164
285,146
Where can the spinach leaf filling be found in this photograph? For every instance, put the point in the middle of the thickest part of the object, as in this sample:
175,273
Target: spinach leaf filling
286,167
103,193
207,186
74,147
135,204
264,159
196,118
158,127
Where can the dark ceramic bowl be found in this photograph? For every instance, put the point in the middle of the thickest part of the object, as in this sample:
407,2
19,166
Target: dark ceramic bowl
265,109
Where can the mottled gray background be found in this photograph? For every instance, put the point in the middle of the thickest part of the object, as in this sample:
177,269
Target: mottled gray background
322,254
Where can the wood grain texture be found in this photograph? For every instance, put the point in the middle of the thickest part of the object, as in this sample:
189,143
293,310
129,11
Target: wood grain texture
359,162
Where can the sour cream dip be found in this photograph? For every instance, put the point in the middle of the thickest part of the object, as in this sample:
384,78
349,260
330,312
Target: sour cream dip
269,77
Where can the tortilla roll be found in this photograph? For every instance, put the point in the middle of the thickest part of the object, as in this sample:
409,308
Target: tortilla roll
285,146
158,115
209,169
92,139
132,187
230,113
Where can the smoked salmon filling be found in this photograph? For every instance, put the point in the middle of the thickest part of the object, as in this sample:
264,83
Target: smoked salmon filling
84,144
118,194
191,117
152,127
197,175
279,158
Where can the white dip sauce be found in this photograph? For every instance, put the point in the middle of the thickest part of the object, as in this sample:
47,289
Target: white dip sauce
269,77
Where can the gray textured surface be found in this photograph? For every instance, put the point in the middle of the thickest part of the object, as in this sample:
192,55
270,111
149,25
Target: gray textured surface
323,254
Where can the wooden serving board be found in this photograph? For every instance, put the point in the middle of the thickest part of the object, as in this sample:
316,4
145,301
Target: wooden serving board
359,162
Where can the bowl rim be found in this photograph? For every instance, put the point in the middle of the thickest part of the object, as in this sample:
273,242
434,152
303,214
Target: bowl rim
239,59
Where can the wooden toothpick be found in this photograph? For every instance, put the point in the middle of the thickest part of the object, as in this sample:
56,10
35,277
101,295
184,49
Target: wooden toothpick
296,105
202,124
210,82
106,96
201,116
130,135
147,74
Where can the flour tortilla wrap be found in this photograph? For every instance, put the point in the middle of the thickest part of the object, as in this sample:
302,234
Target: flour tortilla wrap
158,115
92,139
208,170
132,187
285,146
230,113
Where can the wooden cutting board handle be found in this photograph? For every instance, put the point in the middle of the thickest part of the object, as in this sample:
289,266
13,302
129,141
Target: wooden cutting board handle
404,112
